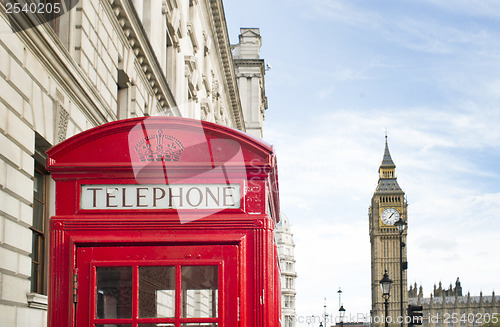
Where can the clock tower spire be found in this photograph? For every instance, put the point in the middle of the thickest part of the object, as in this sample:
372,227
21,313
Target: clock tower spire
388,205
387,167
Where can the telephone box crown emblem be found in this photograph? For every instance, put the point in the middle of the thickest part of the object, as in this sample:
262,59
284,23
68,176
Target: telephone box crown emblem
159,147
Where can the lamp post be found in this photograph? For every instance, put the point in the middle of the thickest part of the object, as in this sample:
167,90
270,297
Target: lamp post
401,224
341,308
341,314
386,283
325,315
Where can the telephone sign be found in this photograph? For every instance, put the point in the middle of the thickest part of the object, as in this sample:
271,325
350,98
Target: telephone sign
158,196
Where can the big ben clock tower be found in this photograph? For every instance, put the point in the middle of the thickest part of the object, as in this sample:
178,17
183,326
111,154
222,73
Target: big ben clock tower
388,205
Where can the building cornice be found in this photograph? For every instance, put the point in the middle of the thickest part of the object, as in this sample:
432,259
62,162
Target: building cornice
138,40
260,63
224,50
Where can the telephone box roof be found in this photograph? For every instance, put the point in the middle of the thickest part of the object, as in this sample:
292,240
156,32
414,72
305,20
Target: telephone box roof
158,142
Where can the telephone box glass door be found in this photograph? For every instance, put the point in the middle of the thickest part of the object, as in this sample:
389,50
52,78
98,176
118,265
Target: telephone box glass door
153,286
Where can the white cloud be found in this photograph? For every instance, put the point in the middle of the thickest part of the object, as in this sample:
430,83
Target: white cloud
409,29
485,8
343,11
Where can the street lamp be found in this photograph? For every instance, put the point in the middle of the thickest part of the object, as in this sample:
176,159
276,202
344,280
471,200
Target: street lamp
401,224
341,314
386,283
325,315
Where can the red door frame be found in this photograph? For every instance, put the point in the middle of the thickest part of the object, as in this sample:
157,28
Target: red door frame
224,257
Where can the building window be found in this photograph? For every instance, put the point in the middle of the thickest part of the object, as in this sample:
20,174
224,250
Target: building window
39,230
289,282
288,302
451,316
59,18
474,319
122,101
40,218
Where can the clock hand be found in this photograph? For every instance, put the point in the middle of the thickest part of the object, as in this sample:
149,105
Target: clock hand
392,214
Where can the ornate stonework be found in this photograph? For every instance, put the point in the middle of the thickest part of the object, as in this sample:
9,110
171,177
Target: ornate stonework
450,308
62,124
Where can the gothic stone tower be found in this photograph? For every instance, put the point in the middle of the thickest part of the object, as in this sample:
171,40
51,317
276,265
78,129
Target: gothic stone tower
388,205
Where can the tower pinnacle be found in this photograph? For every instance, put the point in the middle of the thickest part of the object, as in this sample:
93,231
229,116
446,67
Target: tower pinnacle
387,160
387,167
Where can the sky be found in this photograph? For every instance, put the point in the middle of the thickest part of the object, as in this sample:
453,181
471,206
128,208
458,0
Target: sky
343,74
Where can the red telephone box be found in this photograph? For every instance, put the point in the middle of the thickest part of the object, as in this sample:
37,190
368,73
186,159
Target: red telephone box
163,221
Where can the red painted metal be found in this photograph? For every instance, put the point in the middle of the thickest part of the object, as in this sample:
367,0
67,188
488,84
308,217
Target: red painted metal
165,151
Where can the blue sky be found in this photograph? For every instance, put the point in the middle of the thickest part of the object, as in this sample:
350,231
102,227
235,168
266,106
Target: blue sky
342,73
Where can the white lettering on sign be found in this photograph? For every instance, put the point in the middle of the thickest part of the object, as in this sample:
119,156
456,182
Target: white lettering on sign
160,196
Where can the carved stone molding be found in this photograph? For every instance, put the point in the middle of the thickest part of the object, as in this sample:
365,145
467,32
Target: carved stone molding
130,23
37,301
62,119
223,46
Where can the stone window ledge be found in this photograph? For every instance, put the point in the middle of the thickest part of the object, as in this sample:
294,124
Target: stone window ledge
37,301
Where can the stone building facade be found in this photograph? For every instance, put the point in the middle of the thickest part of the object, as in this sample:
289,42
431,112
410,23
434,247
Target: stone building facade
286,247
102,60
450,308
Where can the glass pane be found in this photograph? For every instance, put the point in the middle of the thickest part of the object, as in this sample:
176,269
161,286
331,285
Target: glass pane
163,324
35,248
156,292
113,325
201,324
38,215
37,251
114,293
199,292
34,277
38,185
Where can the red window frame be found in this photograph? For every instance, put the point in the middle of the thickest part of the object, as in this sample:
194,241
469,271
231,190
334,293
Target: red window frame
222,256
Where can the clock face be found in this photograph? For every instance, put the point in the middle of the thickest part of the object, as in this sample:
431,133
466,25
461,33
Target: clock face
390,216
